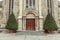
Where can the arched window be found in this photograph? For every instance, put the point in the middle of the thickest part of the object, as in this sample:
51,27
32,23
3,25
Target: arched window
0,3
11,6
49,5
30,3
1,15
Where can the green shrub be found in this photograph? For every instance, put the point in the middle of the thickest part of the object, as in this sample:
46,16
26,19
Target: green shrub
50,23
12,23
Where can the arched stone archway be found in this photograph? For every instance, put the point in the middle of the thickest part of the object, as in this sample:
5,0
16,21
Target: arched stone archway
30,22
30,15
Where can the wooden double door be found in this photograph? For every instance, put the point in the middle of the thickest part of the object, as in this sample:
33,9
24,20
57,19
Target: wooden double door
30,24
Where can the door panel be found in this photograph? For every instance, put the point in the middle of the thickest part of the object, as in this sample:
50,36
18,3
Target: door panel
30,24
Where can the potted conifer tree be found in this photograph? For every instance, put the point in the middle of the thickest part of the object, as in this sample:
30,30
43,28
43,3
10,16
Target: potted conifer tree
49,24
12,24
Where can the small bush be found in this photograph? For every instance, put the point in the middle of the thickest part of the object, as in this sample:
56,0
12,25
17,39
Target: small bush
50,23
12,23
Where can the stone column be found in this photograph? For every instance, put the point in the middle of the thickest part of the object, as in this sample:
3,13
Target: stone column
19,24
36,4
40,16
20,16
36,23
40,13
24,3
41,24
24,23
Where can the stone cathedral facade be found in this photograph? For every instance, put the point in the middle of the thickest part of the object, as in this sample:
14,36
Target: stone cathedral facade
30,14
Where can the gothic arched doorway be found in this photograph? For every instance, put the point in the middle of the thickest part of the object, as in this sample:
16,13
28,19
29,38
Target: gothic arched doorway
30,22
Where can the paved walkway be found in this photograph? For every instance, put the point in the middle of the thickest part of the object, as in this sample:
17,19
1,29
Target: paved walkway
29,36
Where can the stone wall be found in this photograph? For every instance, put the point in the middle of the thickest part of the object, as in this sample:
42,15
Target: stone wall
5,12
20,11
16,8
55,11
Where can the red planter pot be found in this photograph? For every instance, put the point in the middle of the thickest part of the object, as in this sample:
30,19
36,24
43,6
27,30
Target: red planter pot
12,31
48,31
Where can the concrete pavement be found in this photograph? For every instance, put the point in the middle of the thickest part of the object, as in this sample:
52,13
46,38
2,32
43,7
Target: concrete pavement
29,35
